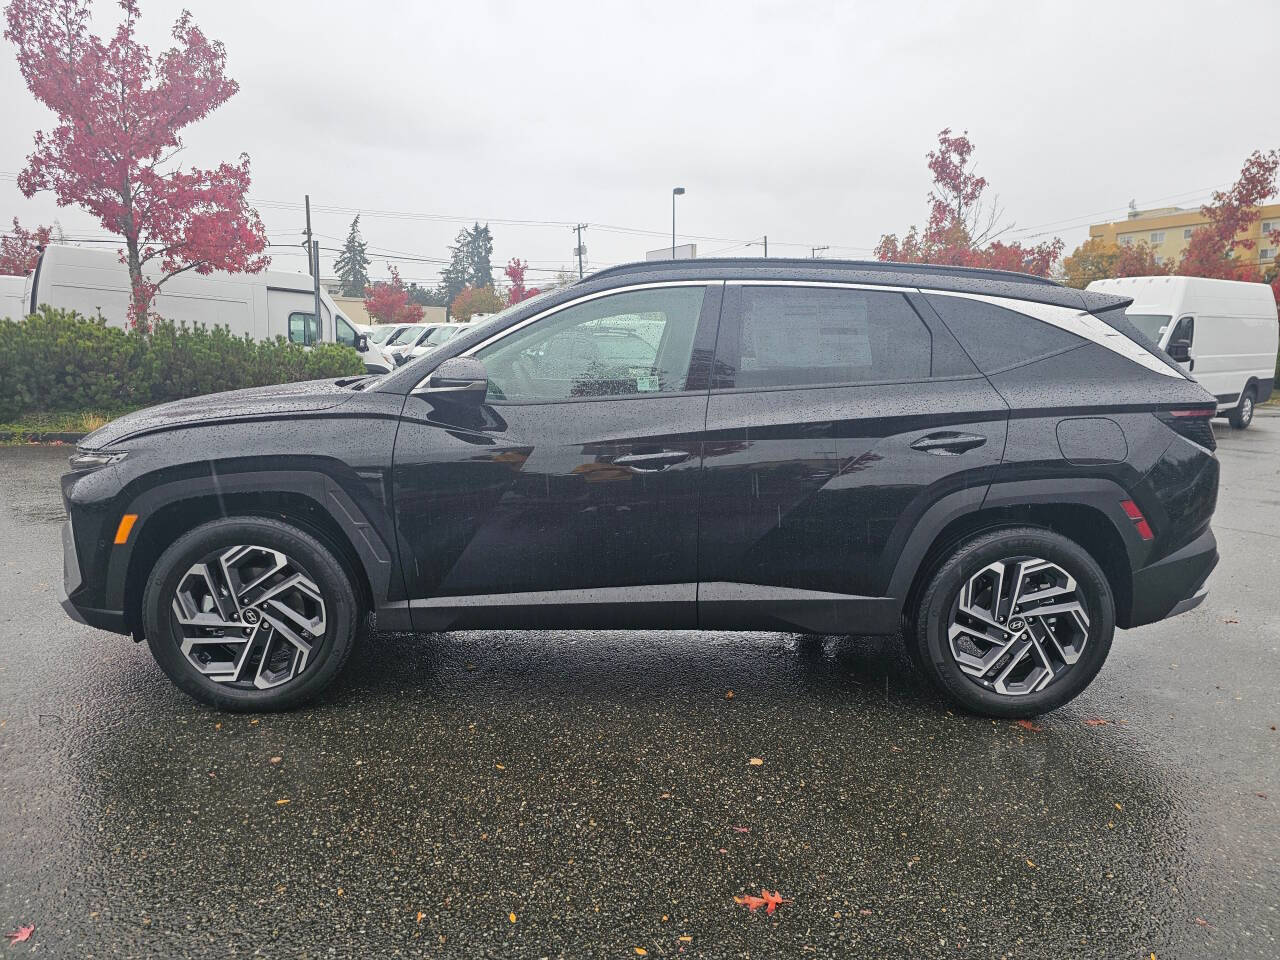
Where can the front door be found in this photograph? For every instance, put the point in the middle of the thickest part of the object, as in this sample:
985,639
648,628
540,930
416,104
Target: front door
570,498
838,415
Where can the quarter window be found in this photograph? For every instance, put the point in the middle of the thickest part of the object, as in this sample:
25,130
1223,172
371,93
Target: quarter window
805,336
637,343
998,339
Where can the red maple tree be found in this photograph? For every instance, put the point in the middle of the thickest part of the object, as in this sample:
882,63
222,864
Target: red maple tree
515,275
963,229
119,113
1211,250
20,249
388,301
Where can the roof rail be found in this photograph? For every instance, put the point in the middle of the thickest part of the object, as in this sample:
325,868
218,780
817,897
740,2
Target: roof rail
795,263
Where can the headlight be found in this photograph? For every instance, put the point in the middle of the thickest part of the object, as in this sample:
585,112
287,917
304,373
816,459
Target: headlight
93,459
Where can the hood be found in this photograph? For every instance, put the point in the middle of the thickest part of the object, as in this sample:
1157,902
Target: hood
253,403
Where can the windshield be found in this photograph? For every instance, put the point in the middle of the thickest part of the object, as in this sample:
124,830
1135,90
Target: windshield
1151,324
382,331
439,335
405,335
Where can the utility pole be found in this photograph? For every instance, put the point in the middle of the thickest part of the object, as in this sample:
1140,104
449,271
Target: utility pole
766,244
315,283
814,251
311,267
580,249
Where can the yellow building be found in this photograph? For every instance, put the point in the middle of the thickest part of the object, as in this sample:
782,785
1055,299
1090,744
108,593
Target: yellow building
1167,229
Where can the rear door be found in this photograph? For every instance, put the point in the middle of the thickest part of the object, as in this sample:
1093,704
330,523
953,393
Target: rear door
571,497
837,416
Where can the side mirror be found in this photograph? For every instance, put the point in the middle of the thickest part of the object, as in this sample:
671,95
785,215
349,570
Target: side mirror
1180,350
459,378
362,343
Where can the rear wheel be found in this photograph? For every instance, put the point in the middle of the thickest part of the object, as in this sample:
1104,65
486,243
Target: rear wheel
1015,622
1242,414
248,613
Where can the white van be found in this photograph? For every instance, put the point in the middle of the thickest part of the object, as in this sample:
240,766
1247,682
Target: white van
13,297
1223,332
264,305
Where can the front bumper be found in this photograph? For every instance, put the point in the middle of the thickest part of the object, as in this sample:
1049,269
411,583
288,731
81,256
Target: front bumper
72,581
1175,584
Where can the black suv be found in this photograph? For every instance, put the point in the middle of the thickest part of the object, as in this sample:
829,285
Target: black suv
999,467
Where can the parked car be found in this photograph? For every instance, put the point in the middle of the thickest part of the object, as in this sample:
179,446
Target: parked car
263,305
433,338
1222,332
1001,468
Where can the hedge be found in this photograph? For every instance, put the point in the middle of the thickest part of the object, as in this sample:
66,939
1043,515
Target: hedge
58,360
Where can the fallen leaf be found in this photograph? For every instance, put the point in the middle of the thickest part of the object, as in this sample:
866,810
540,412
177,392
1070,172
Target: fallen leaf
770,901
1028,725
865,912
1119,806
276,759
686,939
641,952
282,801
728,695
1201,921
21,935
1231,620
1095,722
217,726
1262,795
500,766
341,892
420,916
756,762
511,917
1031,864
741,829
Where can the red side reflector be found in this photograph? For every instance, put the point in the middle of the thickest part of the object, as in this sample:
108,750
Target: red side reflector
1140,524
1206,414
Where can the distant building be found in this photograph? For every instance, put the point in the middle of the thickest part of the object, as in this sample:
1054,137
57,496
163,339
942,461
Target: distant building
685,251
1167,231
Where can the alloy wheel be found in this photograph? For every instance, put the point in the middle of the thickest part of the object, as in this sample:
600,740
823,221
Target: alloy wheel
1018,625
248,616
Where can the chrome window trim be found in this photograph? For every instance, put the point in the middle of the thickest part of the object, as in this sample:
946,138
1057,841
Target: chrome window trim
585,298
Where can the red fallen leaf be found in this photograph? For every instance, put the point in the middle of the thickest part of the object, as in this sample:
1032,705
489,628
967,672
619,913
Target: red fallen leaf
1262,795
770,901
1095,722
1028,725
24,933
1202,922
741,829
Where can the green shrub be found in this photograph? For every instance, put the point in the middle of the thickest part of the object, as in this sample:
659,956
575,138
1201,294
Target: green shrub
57,360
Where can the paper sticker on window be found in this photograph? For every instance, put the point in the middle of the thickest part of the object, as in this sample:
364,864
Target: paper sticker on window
647,385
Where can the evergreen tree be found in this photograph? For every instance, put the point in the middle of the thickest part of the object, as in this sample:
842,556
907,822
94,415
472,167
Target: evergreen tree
352,264
479,254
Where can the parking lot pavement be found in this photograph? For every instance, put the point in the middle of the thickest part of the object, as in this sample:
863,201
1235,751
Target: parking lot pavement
573,794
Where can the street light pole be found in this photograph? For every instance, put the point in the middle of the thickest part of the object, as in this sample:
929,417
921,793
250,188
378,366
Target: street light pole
675,192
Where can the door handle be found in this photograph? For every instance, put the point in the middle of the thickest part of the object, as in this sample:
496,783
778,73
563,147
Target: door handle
948,444
659,460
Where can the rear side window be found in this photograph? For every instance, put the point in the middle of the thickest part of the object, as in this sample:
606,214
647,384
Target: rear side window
303,329
805,336
996,338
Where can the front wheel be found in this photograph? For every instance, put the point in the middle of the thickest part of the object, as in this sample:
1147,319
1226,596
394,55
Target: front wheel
1242,414
1015,622
250,614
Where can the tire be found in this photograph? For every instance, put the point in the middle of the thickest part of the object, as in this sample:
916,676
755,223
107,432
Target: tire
1241,415
304,614
1010,686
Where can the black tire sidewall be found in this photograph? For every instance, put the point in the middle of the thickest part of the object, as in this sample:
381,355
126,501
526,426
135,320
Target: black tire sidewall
1236,416
332,578
934,619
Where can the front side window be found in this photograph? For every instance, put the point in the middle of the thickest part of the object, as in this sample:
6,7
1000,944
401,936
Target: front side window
637,343
805,336
303,329
346,335
1185,330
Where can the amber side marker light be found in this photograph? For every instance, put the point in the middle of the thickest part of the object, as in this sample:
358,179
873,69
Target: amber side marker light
125,528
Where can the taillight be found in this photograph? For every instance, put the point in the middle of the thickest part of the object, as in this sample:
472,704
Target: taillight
1134,513
1193,424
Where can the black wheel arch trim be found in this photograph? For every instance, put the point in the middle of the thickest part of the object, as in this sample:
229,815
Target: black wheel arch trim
370,547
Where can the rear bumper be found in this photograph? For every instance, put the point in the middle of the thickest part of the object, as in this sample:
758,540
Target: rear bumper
1175,584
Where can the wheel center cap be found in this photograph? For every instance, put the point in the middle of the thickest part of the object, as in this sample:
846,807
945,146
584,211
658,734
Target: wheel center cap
250,616
1017,624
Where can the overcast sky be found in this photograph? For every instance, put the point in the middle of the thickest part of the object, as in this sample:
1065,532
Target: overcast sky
804,121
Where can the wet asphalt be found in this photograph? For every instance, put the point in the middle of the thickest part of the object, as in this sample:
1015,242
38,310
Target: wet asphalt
594,795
